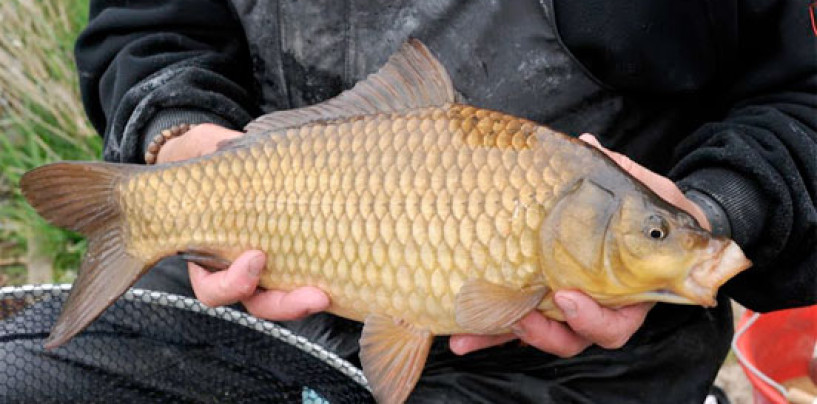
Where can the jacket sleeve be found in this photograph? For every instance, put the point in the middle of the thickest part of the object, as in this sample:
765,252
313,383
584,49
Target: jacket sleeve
759,163
149,64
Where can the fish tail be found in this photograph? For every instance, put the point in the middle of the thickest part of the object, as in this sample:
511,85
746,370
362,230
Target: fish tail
83,197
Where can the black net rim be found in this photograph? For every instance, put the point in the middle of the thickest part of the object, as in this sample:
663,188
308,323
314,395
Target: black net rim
48,291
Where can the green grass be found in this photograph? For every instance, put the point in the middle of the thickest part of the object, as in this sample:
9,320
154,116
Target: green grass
42,121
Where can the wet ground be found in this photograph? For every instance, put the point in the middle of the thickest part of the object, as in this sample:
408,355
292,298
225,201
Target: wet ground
731,377
734,382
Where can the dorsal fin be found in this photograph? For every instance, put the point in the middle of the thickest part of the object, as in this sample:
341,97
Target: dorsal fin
412,78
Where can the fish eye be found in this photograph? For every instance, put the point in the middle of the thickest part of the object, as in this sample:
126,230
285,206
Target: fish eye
655,227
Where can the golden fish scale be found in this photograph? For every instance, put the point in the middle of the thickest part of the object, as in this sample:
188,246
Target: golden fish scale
389,214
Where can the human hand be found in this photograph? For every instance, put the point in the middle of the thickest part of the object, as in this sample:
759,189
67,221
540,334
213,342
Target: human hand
202,139
238,283
586,322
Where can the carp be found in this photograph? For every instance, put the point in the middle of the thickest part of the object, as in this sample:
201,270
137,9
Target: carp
417,214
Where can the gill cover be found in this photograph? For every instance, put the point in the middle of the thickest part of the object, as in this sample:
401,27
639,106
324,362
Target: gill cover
576,229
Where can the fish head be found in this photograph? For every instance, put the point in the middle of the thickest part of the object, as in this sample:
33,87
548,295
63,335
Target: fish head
660,253
629,247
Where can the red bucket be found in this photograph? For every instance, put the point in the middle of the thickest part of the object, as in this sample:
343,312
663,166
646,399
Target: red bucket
779,345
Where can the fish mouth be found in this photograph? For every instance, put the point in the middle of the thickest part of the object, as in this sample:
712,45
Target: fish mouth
723,260
704,278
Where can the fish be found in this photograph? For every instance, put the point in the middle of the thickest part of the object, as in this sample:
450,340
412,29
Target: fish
418,214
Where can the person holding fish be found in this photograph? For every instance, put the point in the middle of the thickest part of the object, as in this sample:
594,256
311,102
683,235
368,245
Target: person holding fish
463,213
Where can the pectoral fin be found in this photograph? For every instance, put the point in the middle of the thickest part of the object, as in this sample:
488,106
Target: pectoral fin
392,353
548,307
487,308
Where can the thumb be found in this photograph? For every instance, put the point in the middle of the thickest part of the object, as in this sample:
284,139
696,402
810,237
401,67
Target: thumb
608,328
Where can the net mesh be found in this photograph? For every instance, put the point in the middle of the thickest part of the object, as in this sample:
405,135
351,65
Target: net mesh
155,346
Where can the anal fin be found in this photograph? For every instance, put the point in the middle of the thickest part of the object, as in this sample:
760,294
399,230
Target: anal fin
488,308
205,259
393,354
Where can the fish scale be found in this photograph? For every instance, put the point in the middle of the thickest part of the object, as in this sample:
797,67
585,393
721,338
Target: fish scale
333,206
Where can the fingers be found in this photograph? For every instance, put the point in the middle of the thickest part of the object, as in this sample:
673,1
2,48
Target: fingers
625,162
236,283
467,343
662,186
534,329
239,284
281,306
589,138
550,336
608,328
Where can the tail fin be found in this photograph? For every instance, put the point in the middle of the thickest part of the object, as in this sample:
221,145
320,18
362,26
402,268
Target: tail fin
83,197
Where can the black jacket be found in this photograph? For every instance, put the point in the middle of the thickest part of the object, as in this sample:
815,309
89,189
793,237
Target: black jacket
718,95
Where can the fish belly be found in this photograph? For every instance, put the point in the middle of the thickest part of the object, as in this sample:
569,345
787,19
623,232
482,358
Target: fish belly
389,214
